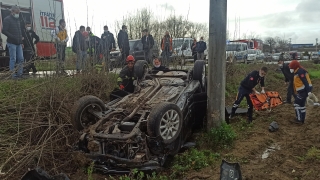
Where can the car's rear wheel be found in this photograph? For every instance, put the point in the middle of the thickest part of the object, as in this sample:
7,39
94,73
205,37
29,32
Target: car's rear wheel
81,112
140,68
199,73
165,121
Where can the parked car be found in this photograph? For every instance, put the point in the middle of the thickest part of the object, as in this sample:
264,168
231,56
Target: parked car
135,50
275,56
254,56
140,130
315,57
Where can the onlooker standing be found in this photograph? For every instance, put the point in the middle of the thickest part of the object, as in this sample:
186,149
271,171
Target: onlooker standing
148,42
80,46
61,38
12,29
108,44
166,47
193,48
201,47
123,42
29,50
91,35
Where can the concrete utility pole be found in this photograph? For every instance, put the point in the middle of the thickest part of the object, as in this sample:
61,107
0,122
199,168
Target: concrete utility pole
289,43
217,63
316,44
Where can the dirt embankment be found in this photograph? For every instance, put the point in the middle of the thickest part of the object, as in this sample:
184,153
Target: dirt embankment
297,155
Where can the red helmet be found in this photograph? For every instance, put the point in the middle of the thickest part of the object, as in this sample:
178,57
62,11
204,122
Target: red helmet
130,58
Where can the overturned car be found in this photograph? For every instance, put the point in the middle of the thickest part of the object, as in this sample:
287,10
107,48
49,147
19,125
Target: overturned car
140,130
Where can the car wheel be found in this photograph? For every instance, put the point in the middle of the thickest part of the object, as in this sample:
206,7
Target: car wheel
81,116
165,121
199,73
140,68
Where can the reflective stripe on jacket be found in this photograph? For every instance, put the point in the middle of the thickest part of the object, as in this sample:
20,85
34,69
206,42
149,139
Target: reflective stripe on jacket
301,81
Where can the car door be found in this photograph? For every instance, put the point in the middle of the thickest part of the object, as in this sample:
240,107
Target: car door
138,52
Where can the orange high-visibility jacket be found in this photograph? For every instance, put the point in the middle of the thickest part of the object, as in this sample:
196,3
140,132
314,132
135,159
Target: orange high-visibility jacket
163,43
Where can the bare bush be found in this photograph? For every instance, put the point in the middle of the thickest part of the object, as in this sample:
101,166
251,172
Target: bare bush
36,129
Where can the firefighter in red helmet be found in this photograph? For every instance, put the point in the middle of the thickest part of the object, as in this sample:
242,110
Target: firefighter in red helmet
126,77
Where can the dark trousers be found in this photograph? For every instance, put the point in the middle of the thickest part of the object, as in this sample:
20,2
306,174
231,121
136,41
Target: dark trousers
28,55
61,55
165,57
290,91
147,55
242,92
125,54
194,55
300,106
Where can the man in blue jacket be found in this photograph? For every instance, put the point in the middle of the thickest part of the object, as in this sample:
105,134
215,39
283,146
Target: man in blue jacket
201,47
12,29
247,86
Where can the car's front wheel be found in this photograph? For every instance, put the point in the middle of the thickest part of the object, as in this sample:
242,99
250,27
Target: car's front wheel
81,112
165,121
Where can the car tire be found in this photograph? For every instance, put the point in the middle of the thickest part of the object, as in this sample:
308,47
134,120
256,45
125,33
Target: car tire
80,111
140,68
164,117
199,73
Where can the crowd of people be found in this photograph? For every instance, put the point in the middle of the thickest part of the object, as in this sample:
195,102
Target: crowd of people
21,41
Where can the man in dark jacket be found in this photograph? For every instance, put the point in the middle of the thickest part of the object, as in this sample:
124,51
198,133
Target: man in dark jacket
288,77
80,47
201,47
157,65
12,29
123,42
126,76
108,44
247,86
147,42
29,51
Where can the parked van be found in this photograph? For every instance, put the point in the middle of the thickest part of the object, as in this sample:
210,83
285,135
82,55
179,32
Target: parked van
237,52
183,47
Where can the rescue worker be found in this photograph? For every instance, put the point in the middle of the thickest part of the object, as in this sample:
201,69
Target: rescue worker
126,77
247,86
302,88
157,65
29,50
166,47
288,78
61,38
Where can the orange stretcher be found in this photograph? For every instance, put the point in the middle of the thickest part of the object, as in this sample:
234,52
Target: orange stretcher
265,101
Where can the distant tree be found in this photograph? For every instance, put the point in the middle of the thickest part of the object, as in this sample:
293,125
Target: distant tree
271,42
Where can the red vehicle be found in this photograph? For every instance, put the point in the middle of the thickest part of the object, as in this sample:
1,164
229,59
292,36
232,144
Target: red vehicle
252,43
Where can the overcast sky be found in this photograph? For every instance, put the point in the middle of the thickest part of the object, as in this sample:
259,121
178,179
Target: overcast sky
295,19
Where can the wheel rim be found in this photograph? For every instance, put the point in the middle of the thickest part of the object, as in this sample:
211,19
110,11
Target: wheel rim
169,124
86,115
